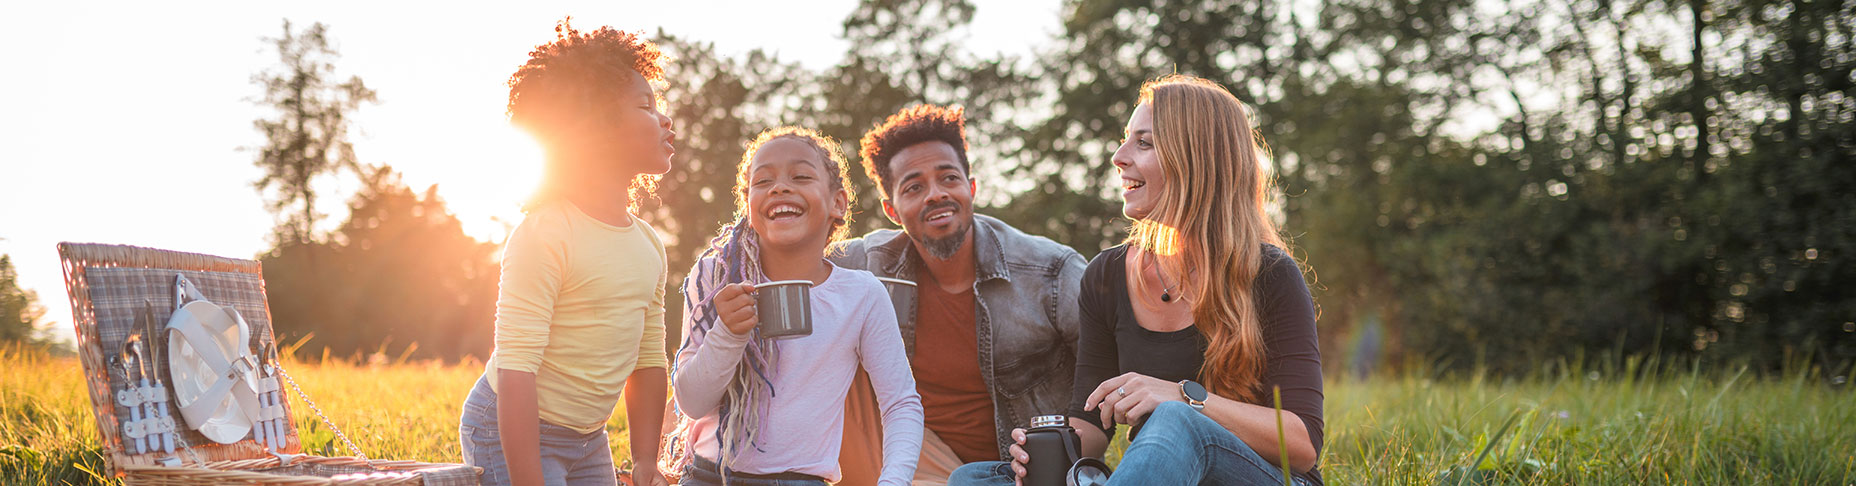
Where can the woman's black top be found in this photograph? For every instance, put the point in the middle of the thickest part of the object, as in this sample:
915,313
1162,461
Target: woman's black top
1112,343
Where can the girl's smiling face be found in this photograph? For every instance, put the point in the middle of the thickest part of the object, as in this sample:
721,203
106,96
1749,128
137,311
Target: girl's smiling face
791,200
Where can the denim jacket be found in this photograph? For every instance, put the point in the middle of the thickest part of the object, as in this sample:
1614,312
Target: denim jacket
1025,308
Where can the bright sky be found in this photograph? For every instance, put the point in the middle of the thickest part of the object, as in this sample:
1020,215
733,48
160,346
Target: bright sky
120,122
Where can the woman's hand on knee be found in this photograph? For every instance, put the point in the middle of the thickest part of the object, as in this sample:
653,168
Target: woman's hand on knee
1126,398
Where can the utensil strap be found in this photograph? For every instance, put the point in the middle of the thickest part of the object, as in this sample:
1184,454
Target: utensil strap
244,399
185,292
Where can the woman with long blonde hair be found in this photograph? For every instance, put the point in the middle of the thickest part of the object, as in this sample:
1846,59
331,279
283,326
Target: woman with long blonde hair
1191,326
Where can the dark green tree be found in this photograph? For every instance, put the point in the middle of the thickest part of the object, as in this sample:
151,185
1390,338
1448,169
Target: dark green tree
1776,218
909,52
1656,178
1090,82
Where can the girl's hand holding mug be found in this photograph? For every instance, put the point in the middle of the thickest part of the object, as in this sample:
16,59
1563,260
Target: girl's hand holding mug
734,304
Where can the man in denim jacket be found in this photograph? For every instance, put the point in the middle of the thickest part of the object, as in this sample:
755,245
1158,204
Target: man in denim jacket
990,324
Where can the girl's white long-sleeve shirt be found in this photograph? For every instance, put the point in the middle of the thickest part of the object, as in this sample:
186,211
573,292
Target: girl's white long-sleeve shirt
853,323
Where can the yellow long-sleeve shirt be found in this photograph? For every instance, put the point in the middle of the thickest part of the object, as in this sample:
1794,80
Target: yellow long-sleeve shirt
580,305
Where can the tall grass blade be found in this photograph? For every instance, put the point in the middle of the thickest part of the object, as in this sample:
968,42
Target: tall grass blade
1474,467
1282,439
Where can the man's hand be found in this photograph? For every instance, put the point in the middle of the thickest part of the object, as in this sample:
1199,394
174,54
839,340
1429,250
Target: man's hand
1020,458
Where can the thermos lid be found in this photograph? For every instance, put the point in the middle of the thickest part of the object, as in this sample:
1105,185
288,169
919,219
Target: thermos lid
1047,420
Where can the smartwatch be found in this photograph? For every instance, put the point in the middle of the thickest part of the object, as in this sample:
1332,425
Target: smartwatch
1194,393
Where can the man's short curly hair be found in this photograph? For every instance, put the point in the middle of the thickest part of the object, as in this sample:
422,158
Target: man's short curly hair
563,77
913,125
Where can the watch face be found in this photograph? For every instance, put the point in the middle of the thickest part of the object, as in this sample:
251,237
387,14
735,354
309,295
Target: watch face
1194,391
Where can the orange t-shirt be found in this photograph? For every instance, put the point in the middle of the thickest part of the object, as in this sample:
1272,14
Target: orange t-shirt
860,459
956,402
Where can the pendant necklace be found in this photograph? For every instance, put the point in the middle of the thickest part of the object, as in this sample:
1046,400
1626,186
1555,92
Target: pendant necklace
1166,295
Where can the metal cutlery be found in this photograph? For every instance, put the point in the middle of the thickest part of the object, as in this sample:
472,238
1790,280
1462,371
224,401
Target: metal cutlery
131,395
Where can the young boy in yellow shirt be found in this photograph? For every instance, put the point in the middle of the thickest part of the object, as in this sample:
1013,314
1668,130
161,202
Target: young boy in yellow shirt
580,306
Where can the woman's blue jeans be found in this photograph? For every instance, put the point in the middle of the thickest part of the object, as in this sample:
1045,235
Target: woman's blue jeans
1177,446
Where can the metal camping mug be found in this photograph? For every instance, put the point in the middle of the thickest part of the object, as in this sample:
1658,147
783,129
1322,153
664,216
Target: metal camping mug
901,295
785,308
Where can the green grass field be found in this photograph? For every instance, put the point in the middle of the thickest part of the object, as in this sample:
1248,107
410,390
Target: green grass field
1573,427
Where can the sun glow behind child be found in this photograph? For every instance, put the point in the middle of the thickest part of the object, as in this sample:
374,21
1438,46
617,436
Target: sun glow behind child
159,126
494,197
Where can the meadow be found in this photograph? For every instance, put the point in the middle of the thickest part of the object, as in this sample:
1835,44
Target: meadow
1632,423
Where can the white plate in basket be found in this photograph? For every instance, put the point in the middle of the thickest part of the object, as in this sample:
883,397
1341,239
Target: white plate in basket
192,376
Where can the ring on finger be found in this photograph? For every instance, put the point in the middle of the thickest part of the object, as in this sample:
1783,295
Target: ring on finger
1122,390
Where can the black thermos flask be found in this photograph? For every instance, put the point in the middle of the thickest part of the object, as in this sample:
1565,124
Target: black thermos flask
1053,447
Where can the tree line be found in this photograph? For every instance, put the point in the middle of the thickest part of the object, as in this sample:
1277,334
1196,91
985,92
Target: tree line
1493,184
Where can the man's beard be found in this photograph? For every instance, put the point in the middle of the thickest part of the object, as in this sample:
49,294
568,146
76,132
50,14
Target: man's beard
944,247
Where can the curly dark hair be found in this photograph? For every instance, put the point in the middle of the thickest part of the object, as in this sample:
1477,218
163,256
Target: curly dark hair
564,79
566,73
913,125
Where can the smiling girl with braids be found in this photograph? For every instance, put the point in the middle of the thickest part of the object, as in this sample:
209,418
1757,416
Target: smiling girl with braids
772,411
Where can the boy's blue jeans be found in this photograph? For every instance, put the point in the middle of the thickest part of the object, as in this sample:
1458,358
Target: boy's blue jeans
567,456
1177,446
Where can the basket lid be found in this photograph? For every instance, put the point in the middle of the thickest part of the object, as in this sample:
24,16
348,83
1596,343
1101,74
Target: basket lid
121,293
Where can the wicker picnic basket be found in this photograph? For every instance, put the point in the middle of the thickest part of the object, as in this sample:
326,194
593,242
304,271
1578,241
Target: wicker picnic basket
116,293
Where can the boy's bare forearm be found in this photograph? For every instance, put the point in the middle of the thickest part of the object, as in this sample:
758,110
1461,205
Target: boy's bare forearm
645,394
518,423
